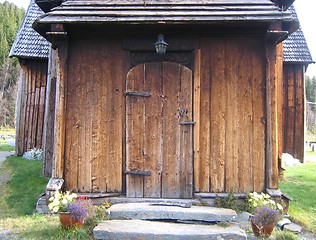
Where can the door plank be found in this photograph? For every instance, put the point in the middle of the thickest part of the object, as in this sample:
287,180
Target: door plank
135,111
171,131
153,130
186,134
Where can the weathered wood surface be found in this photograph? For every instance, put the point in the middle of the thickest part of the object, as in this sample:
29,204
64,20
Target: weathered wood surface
94,117
272,84
49,118
31,105
155,139
60,111
108,132
293,137
232,113
183,12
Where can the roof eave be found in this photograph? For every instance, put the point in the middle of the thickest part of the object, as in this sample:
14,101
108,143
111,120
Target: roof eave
47,5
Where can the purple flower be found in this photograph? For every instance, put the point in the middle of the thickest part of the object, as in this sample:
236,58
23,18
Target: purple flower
79,209
264,216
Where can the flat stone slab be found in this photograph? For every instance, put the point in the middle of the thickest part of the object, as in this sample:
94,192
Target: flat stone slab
148,230
147,211
293,227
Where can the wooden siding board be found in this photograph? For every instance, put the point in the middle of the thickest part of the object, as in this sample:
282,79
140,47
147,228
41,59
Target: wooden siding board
205,138
73,122
117,114
258,118
290,111
27,107
196,117
299,114
218,105
232,119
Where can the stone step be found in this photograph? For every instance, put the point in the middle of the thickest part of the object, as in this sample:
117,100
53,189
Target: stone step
149,211
148,230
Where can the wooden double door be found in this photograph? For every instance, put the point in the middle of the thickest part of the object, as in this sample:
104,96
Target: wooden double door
159,131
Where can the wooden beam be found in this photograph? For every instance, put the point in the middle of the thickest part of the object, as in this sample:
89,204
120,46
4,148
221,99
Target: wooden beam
19,113
49,118
196,117
61,88
272,117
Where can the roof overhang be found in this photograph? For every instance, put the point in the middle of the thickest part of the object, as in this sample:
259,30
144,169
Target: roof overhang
167,12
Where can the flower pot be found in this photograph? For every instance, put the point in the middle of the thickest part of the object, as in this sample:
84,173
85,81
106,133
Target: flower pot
67,221
262,232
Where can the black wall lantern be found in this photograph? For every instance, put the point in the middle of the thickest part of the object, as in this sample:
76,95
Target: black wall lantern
161,45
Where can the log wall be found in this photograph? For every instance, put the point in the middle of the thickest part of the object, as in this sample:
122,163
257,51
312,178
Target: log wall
294,110
31,105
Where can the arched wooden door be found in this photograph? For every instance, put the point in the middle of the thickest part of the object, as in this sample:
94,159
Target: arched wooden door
159,131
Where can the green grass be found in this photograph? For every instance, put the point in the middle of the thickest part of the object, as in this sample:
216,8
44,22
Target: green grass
5,148
25,185
300,183
3,143
18,200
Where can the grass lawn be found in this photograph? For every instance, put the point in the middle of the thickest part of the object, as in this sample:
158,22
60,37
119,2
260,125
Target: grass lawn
18,200
300,183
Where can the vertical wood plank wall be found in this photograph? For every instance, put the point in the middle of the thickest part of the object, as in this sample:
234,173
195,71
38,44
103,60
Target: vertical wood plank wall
294,110
231,114
95,116
30,119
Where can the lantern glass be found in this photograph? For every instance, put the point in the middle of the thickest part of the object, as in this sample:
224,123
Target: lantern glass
161,45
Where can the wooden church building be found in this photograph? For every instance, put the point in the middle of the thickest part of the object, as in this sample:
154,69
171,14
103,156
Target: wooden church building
296,58
32,50
196,118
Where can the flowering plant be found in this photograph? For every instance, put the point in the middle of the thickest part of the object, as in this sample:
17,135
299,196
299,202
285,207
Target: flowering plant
60,201
82,208
264,216
255,200
34,154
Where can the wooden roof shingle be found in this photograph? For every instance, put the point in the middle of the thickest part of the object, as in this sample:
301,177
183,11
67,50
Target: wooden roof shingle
28,43
295,46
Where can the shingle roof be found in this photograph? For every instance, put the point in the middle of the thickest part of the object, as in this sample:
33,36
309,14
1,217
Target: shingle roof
295,47
28,43
166,11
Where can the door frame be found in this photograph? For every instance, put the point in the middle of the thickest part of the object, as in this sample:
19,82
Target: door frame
192,60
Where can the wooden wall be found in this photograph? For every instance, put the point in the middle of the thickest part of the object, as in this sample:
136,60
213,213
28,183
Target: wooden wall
232,116
31,105
294,110
229,111
95,115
